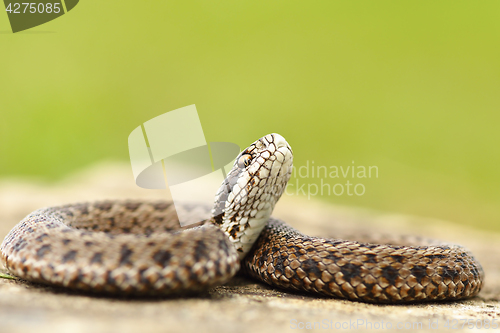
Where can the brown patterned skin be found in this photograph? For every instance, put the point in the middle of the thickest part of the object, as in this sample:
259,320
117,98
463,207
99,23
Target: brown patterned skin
127,247
374,273
123,247
135,247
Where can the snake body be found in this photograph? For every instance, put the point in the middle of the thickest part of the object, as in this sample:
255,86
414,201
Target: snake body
138,247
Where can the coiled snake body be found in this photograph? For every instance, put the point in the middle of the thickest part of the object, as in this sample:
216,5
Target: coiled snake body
136,247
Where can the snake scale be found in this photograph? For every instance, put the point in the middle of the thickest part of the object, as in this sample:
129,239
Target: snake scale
138,248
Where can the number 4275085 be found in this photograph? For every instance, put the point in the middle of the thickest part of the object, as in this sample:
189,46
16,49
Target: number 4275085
33,8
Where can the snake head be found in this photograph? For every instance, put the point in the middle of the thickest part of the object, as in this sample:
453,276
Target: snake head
247,196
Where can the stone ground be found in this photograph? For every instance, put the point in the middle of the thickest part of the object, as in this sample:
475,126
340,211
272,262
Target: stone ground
242,304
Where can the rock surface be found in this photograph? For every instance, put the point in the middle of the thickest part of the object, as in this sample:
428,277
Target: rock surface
241,305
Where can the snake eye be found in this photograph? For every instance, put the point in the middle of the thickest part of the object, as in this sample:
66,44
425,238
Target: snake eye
244,160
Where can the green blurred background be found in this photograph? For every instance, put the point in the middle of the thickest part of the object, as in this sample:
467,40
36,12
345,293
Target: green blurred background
412,87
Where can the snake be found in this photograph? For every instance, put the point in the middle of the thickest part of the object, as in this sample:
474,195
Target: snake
137,247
